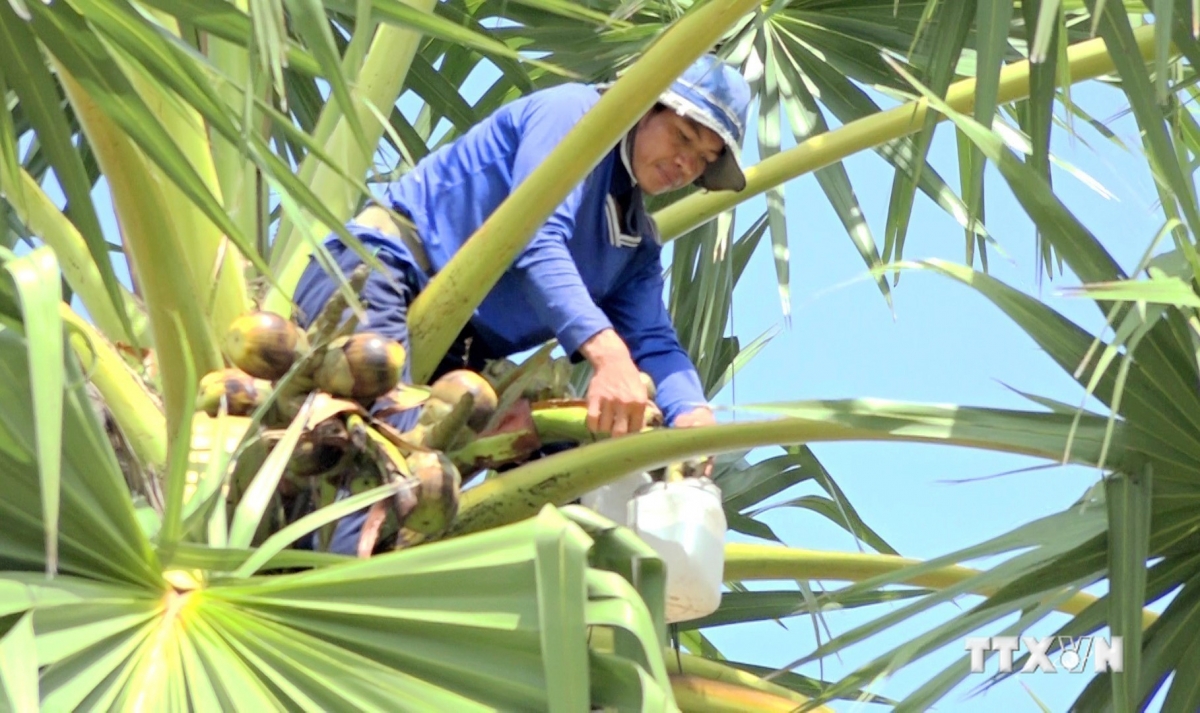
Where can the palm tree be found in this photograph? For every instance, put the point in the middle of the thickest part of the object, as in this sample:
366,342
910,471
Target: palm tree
231,136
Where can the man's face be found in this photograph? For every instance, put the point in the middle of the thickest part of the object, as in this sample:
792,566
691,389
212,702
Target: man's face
671,151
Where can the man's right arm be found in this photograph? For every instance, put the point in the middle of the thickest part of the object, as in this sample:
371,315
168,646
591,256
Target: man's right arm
548,276
545,269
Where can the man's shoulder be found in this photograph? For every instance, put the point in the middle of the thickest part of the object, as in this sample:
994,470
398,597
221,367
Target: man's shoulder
571,96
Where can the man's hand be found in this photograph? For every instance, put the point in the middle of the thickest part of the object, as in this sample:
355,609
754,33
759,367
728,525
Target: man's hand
702,416
616,398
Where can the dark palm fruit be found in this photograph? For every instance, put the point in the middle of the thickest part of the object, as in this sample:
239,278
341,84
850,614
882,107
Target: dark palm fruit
451,387
362,366
320,449
312,457
264,344
437,498
242,392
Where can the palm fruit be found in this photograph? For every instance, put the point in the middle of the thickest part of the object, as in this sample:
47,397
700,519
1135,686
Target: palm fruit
443,426
264,344
324,448
313,457
451,387
437,499
434,411
362,366
242,392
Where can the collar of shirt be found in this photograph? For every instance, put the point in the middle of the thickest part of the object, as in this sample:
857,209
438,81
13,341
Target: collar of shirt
625,148
623,188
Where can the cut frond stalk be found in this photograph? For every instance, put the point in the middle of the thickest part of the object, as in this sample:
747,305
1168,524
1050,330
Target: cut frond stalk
1087,60
136,412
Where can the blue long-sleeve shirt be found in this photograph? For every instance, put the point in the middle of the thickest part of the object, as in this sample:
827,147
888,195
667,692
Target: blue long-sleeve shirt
596,263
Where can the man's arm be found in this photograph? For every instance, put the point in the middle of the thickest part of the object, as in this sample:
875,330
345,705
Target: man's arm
545,269
637,311
551,282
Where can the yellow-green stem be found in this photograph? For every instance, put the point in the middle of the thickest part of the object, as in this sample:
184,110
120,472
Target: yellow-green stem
217,266
761,562
46,221
379,84
711,670
694,694
148,230
565,476
139,416
1087,60
443,308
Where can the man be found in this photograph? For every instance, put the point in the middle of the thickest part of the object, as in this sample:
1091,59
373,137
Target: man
591,277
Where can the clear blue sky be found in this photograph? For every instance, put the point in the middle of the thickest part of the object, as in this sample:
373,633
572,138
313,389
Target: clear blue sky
945,344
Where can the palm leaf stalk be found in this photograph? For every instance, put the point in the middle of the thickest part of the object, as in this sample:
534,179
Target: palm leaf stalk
440,312
751,562
699,668
237,175
214,263
568,475
177,319
701,695
1086,60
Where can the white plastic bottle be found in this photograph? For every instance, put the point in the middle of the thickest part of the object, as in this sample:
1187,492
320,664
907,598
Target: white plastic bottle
612,499
684,522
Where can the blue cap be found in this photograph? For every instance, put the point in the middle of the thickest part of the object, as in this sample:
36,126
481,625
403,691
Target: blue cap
714,94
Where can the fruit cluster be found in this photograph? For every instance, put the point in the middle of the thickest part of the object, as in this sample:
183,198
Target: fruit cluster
350,383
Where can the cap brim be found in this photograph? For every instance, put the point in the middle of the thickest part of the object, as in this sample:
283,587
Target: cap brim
724,174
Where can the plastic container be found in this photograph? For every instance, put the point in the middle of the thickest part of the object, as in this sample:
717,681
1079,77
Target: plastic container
612,499
685,524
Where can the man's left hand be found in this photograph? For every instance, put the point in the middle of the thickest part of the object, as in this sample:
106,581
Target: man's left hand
702,416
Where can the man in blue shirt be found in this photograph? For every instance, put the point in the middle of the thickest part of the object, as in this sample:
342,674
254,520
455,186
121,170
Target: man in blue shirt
591,276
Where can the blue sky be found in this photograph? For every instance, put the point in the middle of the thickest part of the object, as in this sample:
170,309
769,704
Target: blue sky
944,344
